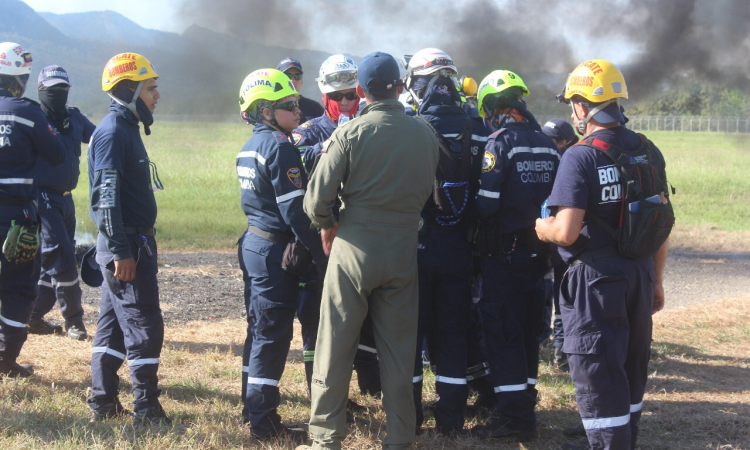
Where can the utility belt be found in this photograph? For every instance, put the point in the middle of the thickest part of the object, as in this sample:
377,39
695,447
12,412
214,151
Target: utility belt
276,238
54,191
587,257
146,231
491,241
15,201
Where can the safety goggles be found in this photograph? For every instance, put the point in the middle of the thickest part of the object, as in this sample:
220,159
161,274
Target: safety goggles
340,80
294,76
287,106
338,96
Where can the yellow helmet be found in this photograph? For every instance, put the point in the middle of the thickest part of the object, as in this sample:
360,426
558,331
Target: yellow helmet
265,84
126,66
469,86
497,85
597,81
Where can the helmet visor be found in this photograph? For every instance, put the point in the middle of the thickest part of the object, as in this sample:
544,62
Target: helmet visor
340,80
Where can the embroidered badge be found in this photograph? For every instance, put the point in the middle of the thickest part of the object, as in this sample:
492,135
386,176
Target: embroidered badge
488,162
324,146
296,137
295,177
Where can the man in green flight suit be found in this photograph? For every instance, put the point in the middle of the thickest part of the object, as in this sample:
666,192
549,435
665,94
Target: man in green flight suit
384,164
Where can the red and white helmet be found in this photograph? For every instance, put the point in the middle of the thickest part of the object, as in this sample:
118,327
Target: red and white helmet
427,62
14,59
338,73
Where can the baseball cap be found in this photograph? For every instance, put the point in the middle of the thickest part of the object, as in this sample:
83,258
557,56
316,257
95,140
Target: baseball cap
560,129
379,72
289,63
52,75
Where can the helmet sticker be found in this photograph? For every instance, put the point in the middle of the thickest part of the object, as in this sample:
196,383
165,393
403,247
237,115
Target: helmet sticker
295,177
488,162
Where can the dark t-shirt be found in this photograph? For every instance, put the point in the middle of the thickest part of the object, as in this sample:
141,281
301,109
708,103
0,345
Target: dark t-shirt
309,109
588,180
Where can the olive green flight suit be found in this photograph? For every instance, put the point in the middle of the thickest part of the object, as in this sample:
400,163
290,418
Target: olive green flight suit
384,162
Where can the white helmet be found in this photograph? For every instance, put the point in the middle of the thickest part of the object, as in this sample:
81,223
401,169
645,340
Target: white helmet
14,59
428,61
338,73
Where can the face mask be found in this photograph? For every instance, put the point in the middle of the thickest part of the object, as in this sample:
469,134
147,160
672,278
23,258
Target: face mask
53,102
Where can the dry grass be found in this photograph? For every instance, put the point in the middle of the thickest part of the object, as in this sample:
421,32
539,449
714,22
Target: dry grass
698,395
710,239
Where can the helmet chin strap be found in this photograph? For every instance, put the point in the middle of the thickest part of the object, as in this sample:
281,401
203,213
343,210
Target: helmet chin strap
21,84
131,106
581,123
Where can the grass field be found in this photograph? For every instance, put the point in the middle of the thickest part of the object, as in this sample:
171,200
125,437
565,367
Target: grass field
200,205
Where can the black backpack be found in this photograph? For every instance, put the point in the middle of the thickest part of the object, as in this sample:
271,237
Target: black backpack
646,214
453,189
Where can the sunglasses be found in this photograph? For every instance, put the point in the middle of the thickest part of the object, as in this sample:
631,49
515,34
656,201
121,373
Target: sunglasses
338,96
294,76
287,106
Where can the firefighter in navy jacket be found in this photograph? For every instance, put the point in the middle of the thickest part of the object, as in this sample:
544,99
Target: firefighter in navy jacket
59,276
123,205
272,182
25,134
444,253
518,170
606,299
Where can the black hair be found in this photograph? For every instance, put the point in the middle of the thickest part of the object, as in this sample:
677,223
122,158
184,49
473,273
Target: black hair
383,93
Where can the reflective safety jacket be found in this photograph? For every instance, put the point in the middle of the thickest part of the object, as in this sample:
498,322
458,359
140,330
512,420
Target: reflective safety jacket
518,171
24,134
65,176
273,182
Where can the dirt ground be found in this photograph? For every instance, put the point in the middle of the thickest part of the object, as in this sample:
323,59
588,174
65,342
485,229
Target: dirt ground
208,286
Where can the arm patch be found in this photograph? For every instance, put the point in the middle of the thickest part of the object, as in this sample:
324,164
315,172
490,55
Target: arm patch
108,189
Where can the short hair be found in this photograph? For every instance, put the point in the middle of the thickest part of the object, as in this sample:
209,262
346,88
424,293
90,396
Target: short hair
385,94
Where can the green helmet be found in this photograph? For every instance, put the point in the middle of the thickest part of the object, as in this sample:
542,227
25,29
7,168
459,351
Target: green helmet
264,84
498,85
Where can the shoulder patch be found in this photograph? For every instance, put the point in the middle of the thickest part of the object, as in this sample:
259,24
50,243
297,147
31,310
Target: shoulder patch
296,138
295,176
305,125
282,138
488,162
52,130
324,146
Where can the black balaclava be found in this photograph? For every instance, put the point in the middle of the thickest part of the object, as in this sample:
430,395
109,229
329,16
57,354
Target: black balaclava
53,100
124,95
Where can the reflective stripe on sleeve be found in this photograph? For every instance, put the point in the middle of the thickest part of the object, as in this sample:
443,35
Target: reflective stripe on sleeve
488,194
449,380
605,422
367,349
14,118
290,195
531,381
636,408
475,137
16,181
533,150
255,155
510,388
262,381
142,362
477,375
12,323
108,351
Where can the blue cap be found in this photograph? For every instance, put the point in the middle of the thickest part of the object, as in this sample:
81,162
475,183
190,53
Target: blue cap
52,75
90,273
560,129
378,72
289,63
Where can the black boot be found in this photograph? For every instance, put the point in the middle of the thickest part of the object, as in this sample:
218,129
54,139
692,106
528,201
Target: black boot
109,411
561,360
15,370
43,326
76,329
154,415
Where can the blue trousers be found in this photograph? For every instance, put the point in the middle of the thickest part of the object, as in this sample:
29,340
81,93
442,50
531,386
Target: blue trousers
271,301
130,326
512,310
17,289
445,262
606,305
59,276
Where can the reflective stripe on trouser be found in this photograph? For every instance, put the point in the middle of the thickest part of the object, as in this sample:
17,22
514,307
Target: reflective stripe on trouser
271,303
606,310
131,327
59,276
18,286
444,260
390,279
512,308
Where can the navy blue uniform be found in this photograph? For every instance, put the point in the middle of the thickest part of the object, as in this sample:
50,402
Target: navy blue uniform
309,137
519,167
25,134
445,268
309,109
57,213
123,206
606,299
272,182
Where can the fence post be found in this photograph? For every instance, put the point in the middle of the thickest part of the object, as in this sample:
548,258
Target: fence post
737,130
